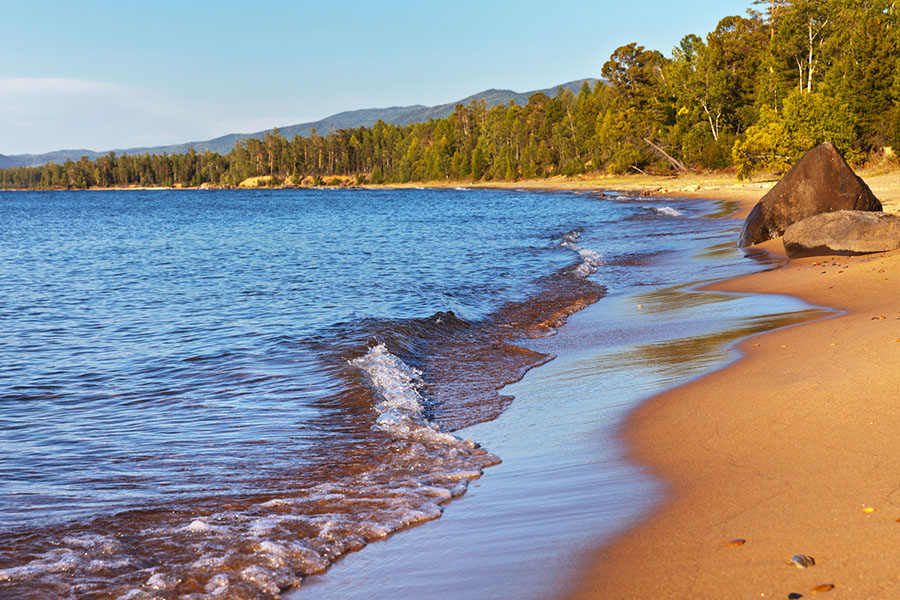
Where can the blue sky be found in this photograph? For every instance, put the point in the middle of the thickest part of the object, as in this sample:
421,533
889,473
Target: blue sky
98,74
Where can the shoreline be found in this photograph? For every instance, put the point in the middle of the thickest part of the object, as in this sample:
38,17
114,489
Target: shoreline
523,528
684,185
883,180
790,448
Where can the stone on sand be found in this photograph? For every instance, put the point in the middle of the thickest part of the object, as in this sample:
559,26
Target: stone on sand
845,232
820,182
802,561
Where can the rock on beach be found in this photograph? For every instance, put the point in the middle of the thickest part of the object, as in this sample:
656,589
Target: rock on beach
845,232
820,182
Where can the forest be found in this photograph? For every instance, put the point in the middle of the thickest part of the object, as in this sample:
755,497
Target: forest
751,96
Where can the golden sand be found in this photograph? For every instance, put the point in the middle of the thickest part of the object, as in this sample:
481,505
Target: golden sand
794,449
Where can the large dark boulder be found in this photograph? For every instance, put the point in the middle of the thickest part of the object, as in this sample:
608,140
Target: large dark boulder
844,232
820,182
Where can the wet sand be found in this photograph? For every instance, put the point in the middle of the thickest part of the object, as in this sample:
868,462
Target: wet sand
793,449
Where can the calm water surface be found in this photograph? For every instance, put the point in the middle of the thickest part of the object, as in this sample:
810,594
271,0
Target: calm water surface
217,393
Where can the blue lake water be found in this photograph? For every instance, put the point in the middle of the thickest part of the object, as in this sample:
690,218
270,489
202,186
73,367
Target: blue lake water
217,393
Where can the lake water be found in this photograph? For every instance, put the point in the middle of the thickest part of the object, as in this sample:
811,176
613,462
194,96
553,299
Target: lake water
218,393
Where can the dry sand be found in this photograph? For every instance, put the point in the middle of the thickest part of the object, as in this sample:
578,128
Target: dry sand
795,449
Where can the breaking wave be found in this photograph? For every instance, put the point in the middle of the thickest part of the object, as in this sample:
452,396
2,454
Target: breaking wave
590,259
261,548
666,211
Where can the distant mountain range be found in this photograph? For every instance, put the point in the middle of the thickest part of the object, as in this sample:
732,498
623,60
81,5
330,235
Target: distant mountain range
397,115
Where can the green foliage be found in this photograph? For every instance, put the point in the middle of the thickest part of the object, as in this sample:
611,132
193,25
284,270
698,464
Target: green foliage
761,149
865,67
780,138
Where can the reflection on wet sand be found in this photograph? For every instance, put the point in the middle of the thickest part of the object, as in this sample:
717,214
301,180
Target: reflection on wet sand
678,298
670,358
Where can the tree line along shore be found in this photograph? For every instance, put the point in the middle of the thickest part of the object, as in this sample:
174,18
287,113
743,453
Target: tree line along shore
752,96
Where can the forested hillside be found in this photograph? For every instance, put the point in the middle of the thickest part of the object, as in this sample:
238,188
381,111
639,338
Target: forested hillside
753,94
366,117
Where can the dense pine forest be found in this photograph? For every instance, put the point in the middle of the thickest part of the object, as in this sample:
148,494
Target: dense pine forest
753,95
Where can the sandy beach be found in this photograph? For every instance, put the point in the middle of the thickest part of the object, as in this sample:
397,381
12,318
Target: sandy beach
790,450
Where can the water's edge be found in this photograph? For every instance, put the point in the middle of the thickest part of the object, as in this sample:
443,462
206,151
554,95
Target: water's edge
579,497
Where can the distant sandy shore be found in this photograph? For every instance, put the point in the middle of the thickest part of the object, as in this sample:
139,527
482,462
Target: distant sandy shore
794,449
885,182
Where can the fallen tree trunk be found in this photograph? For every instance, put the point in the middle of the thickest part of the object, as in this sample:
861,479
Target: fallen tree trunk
677,164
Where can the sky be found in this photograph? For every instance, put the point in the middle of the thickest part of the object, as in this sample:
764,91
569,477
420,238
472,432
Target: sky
102,75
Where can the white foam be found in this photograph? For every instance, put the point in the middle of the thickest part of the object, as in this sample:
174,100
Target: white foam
159,582
272,548
570,238
263,526
91,541
56,561
375,530
591,260
291,554
216,582
396,382
99,566
399,404
436,492
427,512
456,475
666,211
280,502
201,526
208,561
262,579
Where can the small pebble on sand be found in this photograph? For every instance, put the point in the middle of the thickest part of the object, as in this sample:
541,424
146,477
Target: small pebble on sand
802,561
825,587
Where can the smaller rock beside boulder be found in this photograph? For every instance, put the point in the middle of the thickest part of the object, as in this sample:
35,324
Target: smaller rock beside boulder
820,182
844,232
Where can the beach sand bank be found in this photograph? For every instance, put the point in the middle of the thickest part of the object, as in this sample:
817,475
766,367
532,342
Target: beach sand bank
793,449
